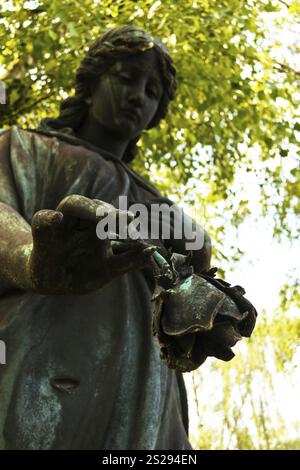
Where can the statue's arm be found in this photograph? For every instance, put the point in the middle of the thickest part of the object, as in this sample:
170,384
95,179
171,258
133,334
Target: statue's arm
201,258
188,237
60,252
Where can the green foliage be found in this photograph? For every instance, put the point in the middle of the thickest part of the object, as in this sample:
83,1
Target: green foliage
231,89
290,294
243,410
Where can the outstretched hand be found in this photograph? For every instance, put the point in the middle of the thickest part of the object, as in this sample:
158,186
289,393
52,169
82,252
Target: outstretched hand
67,255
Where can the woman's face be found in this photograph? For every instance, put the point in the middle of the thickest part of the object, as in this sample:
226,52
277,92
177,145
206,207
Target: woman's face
127,96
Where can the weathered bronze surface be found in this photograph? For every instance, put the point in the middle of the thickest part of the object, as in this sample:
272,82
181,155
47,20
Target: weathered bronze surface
83,369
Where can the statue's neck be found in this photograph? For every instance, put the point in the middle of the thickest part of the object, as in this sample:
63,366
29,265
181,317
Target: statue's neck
91,131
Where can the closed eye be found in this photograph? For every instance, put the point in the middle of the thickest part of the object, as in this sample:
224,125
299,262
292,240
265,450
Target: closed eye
126,77
152,91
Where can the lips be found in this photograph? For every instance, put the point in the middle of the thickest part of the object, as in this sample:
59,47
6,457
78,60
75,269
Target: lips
134,115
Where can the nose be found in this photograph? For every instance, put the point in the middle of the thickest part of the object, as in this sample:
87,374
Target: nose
137,94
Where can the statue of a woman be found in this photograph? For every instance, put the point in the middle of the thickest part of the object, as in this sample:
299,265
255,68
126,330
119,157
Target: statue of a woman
83,371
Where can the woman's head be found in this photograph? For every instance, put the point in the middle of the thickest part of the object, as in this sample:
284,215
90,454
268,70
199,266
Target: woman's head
114,46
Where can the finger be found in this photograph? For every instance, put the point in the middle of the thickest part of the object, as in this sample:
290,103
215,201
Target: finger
45,220
45,225
120,246
104,209
129,261
78,207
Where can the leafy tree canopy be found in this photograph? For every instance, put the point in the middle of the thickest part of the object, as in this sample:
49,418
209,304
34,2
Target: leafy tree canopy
236,106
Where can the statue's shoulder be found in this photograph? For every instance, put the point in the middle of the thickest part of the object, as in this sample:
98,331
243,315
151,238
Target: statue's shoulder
36,134
13,135
17,133
38,140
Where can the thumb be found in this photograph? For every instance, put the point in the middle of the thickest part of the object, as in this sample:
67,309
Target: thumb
44,223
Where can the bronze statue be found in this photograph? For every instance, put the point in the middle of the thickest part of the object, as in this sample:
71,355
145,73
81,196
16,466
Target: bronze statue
84,371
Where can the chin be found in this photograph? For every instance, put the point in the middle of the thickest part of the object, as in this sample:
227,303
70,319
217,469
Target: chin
126,131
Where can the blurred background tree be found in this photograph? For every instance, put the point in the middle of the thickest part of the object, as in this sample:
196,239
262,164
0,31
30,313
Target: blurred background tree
227,152
244,404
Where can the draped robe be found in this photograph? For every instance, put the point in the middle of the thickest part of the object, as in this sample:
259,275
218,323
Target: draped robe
82,371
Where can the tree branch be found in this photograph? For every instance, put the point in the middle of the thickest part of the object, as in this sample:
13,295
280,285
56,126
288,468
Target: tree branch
284,3
27,108
287,68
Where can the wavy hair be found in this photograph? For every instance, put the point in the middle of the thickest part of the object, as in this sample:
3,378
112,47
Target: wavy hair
116,44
